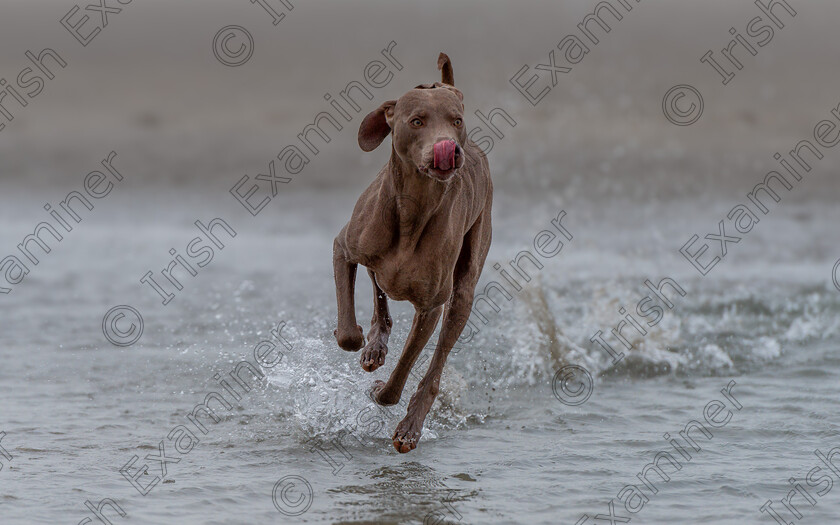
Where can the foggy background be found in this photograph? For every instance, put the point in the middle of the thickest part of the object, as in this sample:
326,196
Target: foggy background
150,88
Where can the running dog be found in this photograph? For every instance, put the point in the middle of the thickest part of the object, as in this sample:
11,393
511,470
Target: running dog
422,229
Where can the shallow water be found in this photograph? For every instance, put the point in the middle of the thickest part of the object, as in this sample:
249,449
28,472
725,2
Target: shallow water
498,446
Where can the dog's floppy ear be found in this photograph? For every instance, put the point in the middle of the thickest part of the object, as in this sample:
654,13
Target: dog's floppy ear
445,66
444,86
375,126
456,91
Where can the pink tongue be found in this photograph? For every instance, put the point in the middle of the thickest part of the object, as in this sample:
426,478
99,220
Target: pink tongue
445,155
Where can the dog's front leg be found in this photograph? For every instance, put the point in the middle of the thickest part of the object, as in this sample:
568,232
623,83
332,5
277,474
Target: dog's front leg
373,355
458,309
408,431
349,335
421,330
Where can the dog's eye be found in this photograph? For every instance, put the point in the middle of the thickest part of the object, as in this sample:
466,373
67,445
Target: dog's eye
458,122
417,123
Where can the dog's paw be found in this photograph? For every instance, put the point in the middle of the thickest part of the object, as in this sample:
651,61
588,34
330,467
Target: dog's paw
373,355
351,341
407,434
380,396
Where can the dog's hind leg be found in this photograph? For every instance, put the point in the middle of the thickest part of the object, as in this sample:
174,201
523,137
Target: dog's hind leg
421,330
349,335
373,354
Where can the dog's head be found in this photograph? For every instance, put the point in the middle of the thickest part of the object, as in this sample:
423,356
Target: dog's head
427,124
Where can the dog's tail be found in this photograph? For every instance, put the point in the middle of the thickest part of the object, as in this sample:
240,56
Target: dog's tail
445,66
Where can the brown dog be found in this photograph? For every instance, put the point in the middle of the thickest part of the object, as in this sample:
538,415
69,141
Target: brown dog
422,229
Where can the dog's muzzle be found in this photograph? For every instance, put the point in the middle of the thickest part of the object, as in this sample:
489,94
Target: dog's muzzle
444,155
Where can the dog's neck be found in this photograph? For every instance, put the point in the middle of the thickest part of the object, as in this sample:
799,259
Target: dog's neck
407,183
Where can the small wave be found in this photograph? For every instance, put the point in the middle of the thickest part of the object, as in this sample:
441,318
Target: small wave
729,329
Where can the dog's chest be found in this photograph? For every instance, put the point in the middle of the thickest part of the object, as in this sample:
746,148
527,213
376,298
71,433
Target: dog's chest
417,271
413,281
